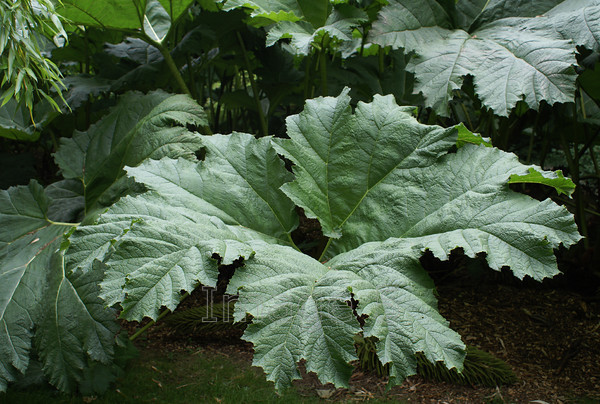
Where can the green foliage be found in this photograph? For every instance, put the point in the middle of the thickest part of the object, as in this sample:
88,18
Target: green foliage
97,157
480,367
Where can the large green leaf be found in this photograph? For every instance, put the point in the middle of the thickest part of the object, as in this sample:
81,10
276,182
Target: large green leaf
166,239
27,241
510,58
378,173
467,11
139,127
152,17
76,327
300,311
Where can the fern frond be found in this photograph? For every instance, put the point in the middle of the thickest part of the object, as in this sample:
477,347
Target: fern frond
480,367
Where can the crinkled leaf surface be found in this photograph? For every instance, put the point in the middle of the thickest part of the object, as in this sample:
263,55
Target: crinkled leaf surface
76,326
140,127
27,242
23,267
377,173
300,311
577,20
166,238
510,58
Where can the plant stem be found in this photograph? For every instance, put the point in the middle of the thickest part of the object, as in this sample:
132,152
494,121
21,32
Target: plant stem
174,71
308,61
261,115
62,223
323,65
292,242
152,322
325,250
191,78
172,67
579,205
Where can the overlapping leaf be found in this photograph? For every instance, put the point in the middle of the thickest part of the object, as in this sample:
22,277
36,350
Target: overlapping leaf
510,58
140,127
165,239
33,221
378,173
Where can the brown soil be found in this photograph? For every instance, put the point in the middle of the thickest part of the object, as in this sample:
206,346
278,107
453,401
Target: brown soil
550,337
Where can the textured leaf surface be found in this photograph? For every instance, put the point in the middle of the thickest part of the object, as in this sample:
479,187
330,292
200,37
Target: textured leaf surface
300,311
497,9
166,238
398,297
510,58
76,326
378,173
383,186
409,24
577,20
140,127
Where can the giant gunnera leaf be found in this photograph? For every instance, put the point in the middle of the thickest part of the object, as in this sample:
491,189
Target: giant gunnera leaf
384,187
513,50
